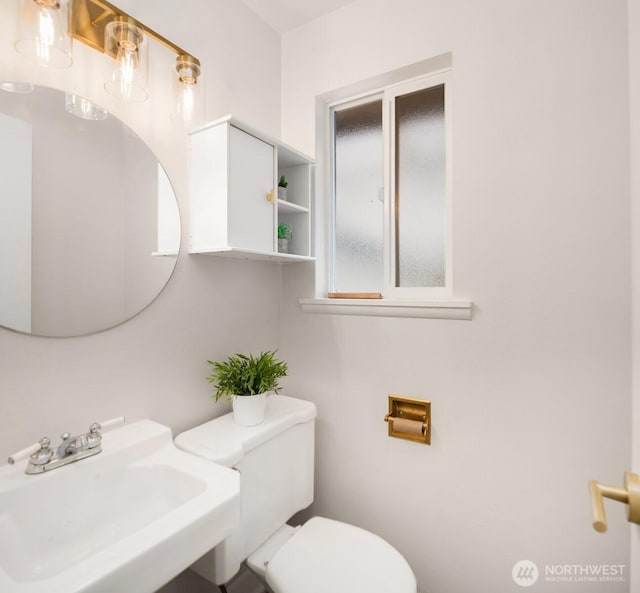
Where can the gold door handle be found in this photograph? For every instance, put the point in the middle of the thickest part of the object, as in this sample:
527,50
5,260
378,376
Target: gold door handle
271,197
629,495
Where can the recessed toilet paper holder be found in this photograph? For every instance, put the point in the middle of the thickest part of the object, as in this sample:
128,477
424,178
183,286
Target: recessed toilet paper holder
409,418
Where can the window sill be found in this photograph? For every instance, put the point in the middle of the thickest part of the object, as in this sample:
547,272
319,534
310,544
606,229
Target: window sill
441,309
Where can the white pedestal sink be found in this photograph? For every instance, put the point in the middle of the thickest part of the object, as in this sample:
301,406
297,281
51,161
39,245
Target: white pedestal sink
124,521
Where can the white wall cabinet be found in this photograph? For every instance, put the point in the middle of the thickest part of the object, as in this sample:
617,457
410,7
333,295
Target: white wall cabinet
234,208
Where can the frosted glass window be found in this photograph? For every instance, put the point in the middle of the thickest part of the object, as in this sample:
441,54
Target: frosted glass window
359,206
420,188
391,191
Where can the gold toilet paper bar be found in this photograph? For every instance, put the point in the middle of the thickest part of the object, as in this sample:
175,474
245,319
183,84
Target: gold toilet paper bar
409,418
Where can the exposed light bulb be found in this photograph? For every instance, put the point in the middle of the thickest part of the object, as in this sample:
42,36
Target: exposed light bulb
188,102
188,69
46,35
127,62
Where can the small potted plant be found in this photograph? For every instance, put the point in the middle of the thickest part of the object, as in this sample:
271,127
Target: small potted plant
246,380
282,188
284,235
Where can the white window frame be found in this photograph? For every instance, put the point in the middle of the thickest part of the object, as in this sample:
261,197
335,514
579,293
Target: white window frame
388,96
420,303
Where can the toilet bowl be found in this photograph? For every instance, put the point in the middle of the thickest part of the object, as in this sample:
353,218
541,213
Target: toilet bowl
325,555
275,460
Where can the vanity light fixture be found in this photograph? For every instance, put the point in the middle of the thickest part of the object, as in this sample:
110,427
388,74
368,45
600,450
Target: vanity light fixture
189,94
83,108
126,42
43,32
47,27
108,29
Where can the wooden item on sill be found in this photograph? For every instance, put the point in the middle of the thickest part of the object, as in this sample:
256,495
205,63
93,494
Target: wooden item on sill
354,295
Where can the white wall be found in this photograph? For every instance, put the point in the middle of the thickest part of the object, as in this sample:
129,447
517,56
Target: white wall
155,365
531,398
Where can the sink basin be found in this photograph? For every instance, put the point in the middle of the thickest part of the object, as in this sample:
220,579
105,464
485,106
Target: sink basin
126,520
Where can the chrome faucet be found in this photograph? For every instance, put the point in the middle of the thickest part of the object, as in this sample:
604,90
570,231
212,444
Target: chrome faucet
67,446
42,458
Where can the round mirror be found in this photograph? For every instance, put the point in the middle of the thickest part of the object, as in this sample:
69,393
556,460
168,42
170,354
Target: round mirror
89,223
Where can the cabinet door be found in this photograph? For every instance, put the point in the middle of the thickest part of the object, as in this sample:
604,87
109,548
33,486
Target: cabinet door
251,178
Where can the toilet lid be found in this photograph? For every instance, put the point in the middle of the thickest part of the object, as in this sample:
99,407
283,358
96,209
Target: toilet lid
326,555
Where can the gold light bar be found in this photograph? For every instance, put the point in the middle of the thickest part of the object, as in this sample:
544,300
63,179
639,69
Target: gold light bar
90,18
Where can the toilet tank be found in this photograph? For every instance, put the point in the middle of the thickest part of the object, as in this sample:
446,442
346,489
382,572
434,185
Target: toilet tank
275,460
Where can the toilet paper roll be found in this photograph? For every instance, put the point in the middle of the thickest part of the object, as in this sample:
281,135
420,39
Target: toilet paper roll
407,426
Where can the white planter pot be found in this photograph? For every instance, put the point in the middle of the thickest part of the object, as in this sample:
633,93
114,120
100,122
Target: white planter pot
282,193
283,245
248,410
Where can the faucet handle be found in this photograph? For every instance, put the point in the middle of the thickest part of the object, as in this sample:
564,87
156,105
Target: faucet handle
39,452
44,454
94,436
97,428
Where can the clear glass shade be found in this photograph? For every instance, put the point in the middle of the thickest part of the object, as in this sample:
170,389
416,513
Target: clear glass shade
83,108
189,103
127,44
43,32
189,91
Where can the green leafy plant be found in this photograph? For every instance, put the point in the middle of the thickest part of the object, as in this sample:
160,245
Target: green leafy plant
284,231
243,374
283,182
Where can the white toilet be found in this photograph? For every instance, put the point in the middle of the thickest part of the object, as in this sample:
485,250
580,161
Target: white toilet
275,460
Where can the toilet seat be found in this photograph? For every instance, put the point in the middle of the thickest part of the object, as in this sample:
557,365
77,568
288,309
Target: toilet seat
326,555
